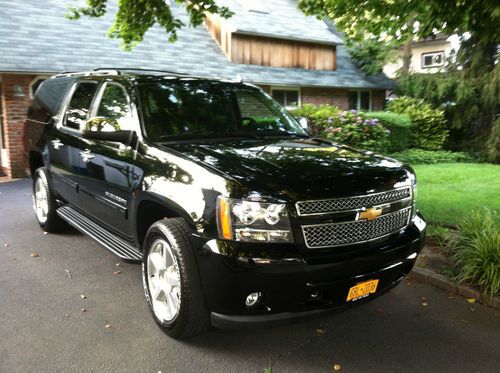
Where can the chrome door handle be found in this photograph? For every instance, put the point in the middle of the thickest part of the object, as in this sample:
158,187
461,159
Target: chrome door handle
87,155
57,144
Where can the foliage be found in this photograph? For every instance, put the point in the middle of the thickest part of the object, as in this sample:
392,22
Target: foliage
470,105
420,156
356,129
447,192
429,125
317,115
135,17
493,143
476,251
348,127
371,55
398,19
400,127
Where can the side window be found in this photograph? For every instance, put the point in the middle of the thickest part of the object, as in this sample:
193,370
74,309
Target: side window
114,109
79,106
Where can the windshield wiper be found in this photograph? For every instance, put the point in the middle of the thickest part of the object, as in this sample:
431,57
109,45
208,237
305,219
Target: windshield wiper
282,134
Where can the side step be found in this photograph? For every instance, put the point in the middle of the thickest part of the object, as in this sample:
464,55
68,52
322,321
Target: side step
110,241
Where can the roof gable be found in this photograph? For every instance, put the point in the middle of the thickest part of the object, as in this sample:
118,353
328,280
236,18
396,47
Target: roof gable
42,40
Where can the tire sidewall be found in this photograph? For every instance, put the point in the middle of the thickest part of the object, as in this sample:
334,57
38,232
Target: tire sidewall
160,231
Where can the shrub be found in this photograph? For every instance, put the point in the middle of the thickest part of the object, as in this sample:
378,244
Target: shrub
317,116
470,102
354,128
400,127
429,125
348,127
420,156
476,252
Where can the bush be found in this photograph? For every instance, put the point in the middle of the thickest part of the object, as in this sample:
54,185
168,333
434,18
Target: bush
317,116
400,127
476,252
420,156
470,102
354,128
429,125
347,127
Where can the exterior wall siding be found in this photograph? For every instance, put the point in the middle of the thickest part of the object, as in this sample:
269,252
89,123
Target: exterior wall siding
15,101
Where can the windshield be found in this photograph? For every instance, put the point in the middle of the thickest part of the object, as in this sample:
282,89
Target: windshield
198,109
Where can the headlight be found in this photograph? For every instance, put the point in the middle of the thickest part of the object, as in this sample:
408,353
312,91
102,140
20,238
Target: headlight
242,220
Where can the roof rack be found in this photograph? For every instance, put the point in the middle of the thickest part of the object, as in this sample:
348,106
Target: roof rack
125,69
88,73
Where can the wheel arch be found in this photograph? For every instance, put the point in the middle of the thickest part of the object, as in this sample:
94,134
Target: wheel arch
150,209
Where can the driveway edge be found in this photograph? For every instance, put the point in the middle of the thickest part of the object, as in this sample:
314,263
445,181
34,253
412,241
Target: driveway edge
430,277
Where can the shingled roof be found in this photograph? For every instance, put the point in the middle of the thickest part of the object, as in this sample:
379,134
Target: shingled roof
37,38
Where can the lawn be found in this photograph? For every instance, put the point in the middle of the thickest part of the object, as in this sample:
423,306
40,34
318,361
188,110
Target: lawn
448,191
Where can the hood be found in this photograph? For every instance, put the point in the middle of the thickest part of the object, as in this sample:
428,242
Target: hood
298,169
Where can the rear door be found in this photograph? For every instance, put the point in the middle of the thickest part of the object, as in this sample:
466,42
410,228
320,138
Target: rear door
111,173
66,144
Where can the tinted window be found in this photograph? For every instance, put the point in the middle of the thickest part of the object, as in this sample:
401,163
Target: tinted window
48,98
353,100
286,97
196,109
115,105
364,101
79,106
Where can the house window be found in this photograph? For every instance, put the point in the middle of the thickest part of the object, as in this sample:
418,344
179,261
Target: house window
434,59
288,97
360,100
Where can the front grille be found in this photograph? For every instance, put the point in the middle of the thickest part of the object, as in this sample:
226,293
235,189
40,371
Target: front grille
351,203
348,233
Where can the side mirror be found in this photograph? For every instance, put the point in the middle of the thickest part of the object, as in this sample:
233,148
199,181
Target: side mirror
107,129
304,123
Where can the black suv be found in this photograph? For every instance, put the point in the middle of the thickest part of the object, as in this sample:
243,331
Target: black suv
239,216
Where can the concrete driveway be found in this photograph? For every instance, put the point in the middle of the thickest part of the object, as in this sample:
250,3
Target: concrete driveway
43,327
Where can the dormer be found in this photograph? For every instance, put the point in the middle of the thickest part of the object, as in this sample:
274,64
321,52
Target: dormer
265,34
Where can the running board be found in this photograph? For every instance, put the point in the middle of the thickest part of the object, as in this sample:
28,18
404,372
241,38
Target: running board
110,241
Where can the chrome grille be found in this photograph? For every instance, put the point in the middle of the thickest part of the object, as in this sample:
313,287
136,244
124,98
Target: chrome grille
348,233
305,208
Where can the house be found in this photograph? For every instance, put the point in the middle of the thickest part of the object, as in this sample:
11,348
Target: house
429,55
295,58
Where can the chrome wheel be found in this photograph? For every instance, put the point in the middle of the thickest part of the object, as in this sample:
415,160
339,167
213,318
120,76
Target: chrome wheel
41,200
163,278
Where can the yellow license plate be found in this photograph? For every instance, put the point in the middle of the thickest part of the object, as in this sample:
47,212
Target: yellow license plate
362,290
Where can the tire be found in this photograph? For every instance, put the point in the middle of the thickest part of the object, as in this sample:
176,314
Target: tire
44,203
171,280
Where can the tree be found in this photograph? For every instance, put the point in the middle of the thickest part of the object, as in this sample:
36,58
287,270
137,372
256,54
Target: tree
404,20
135,17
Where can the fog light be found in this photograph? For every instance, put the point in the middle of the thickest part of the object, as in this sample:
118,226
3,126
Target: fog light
253,299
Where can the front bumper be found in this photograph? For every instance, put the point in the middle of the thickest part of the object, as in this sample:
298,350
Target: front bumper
296,289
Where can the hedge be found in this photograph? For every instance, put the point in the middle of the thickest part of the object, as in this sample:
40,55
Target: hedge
401,136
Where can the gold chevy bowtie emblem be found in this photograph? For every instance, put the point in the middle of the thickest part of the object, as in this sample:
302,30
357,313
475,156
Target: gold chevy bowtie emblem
370,214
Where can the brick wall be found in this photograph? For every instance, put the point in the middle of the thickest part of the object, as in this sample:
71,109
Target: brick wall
15,100
330,96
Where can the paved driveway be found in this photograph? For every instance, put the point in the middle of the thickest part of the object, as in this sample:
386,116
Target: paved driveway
43,328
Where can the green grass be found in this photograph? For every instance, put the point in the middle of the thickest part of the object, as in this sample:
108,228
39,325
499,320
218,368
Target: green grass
449,191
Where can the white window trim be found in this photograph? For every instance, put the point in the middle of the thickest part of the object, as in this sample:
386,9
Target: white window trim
358,102
433,64
292,89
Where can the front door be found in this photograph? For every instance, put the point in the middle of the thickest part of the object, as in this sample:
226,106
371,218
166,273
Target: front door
111,173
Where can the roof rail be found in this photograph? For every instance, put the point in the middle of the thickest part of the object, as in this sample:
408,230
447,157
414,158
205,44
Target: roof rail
88,73
122,70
